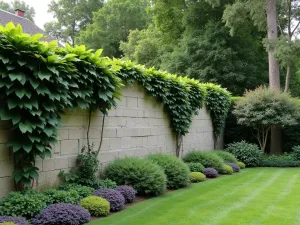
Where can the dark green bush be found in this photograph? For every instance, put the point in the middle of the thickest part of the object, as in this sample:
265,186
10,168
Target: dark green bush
226,156
105,183
176,170
83,191
196,167
23,204
296,153
248,153
196,177
278,161
59,196
207,159
144,176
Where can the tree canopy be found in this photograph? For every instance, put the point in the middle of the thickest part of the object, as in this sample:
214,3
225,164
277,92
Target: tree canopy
18,4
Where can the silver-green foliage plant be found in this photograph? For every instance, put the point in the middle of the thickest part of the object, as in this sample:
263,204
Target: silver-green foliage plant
263,108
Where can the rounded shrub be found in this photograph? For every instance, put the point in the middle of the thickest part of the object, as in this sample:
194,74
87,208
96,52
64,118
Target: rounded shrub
210,173
13,219
176,170
227,170
196,177
241,165
196,167
245,152
23,204
226,156
296,153
97,206
58,214
115,198
235,167
59,196
128,193
143,175
83,191
207,159
105,183
7,223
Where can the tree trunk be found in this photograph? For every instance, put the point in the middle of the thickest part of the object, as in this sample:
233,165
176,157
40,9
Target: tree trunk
274,78
287,79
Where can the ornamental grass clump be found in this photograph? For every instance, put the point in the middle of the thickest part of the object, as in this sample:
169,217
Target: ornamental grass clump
176,170
196,167
207,159
241,165
62,214
227,170
235,167
196,177
115,198
13,219
226,156
211,173
97,206
128,193
146,177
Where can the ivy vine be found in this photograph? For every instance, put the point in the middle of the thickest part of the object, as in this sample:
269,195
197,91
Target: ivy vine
39,81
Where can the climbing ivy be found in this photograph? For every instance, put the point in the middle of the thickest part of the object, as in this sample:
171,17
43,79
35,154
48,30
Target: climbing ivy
40,80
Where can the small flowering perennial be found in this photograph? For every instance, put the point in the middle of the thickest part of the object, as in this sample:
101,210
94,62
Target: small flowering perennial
211,172
114,197
128,192
14,219
66,214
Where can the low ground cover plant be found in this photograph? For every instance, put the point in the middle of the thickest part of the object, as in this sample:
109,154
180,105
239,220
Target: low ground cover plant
211,172
115,198
144,176
207,159
247,153
196,177
196,167
176,170
58,214
97,206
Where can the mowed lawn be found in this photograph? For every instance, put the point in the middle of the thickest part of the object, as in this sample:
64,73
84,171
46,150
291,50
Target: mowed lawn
264,196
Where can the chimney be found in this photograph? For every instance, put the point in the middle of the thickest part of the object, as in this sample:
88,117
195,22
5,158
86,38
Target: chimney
19,12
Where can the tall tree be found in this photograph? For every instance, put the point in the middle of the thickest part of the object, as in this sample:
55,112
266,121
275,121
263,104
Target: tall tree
71,17
17,4
112,24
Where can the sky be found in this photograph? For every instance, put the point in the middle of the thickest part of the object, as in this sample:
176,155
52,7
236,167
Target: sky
41,8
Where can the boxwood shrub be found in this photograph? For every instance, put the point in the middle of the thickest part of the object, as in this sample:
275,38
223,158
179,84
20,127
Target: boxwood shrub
176,170
144,176
196,177
241,165
226,156
97,206
207,159
235,167
196,167
211,172
227,170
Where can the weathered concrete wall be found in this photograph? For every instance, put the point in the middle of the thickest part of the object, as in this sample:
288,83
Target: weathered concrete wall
137,127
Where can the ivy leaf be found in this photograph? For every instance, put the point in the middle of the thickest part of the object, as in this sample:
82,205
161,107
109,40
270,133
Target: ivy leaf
44,75
4,59
21,62
34,83
16,118
25,128
4,115
17,175
20,93
34,174
12,103
48,131
16,76
27,148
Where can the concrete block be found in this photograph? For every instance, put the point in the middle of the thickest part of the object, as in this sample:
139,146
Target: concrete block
72,121
48,165
4,153
6,186
6,168
152,140
111,113
61,163
4,135
131,122
125,142
132,102
140,113
56,148
72,161
129,112
109,132
69,147
48,179
115,144
96,121
119,112
122,102
62,134
76,133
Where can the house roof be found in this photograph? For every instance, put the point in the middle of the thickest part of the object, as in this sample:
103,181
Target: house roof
28,26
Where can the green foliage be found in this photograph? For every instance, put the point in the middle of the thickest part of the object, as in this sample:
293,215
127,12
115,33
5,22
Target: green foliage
207,159
145,177
17,4
196,177
241,165
263,108
296,152
23,204
60,196
83,191
105,183
8,223
196,167
112,23
97,206
245,152
279,161
71,17
226,156
176,170
226,170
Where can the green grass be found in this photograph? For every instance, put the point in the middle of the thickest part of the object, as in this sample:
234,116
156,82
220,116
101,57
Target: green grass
260,196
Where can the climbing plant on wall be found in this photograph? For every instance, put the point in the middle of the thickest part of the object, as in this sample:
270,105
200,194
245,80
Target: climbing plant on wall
39,80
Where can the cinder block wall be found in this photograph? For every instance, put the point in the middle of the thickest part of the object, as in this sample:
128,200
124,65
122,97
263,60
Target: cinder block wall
137,127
